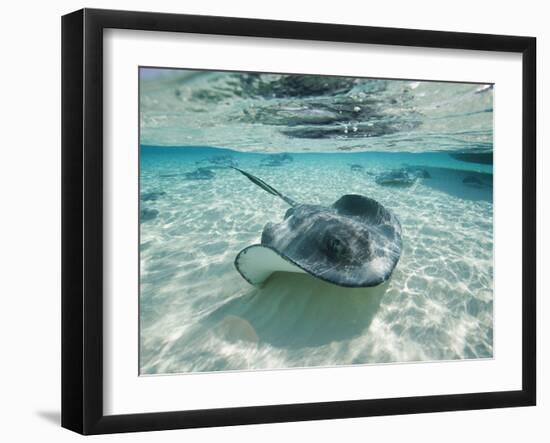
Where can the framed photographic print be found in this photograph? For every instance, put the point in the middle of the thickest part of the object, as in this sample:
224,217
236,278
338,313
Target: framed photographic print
270,221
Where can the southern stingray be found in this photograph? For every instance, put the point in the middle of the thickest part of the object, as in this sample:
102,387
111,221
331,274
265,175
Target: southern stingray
355,242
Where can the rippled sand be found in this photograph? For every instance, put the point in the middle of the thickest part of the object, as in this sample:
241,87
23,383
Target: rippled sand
198,314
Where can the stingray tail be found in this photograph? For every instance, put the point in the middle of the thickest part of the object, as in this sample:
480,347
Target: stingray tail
266,187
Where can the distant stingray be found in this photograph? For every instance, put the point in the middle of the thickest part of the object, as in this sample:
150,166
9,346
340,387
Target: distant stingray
355,242
152,196
274,160
200,174
417,172
396,177
219,161
475,181
147,214
356,167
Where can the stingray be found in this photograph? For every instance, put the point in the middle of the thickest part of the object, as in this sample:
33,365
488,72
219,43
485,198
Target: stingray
200,174
475,181
274,160
356,167
152,196
395,177
219,161
417,172
147,214
355,242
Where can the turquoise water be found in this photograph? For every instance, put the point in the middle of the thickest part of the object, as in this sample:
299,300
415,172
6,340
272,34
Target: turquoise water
198,314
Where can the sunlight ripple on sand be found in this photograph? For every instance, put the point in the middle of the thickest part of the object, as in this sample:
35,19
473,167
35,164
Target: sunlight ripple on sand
198,314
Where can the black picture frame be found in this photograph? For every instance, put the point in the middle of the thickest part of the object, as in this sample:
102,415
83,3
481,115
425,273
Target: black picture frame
82,218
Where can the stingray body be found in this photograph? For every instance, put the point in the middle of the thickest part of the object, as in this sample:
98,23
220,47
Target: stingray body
355,242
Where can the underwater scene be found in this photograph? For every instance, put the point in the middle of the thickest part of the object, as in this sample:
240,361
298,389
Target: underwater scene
293,221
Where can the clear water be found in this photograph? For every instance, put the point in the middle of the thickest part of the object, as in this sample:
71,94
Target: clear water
198,314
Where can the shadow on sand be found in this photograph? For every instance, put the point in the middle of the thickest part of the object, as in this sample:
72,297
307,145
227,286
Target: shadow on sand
295,311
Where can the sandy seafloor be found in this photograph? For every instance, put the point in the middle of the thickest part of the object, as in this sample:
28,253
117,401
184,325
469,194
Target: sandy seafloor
198,314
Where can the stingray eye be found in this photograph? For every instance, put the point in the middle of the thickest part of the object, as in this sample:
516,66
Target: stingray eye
289,212
267,234
293,222
335,247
